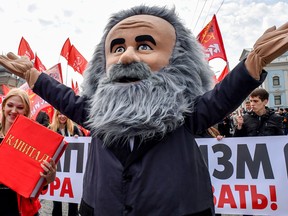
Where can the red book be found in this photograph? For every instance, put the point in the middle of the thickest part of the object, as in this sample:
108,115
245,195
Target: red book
25,146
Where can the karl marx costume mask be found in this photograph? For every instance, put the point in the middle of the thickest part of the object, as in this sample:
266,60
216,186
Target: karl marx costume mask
146,83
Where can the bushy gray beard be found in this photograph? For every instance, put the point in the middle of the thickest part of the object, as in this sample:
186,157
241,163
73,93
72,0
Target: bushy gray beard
153,106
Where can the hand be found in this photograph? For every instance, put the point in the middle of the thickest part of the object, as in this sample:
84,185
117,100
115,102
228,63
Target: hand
219,137
272,44
49,171
240,121
16,65
20,66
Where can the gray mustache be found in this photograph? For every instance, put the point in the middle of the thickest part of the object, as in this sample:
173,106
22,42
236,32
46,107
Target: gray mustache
135,71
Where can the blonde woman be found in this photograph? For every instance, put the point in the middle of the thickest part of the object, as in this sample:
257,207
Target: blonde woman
66,127
17,103
63,125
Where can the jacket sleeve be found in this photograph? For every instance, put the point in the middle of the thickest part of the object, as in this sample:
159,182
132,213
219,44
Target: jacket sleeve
241,132
279,125
62,98
224,98
77,131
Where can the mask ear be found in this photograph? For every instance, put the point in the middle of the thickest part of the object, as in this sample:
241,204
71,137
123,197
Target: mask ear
265,101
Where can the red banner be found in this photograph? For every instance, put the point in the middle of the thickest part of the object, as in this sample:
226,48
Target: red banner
55,72
223,74
25,50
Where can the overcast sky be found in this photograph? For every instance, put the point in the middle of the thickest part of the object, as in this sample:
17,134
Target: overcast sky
47,24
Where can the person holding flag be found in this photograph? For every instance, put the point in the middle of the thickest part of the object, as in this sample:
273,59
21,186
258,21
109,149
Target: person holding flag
146,93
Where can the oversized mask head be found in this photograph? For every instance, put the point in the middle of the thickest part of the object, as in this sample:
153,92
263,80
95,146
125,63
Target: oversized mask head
144,76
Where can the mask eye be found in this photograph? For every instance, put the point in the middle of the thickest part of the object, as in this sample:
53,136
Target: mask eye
120,49
144,47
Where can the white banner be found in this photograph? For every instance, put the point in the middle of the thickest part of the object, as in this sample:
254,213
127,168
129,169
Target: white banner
249,174
67,186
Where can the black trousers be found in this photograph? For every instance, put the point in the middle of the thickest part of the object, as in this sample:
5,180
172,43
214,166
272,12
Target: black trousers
57,209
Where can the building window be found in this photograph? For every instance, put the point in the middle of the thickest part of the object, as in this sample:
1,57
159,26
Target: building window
277,99
276,81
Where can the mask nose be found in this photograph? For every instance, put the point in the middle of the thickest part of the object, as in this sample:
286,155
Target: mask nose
129,56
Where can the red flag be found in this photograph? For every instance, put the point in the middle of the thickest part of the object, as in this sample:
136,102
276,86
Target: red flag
84,131
38,64
50,112
25,50
76,60
66,49
210,37
223,74
5,89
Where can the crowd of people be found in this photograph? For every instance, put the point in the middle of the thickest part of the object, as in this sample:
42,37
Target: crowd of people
284,115
255,119
148,94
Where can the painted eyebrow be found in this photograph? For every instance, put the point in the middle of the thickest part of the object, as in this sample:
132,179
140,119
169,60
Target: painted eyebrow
142,38
116,41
